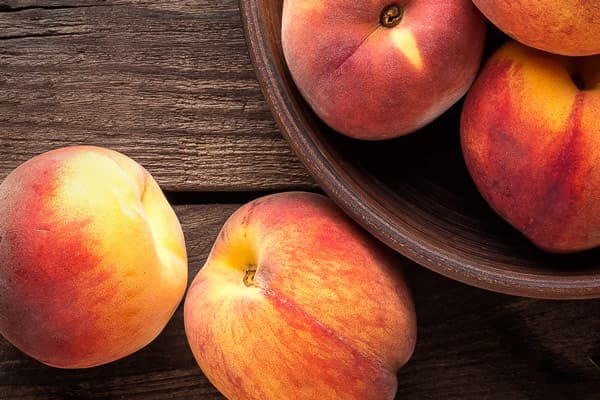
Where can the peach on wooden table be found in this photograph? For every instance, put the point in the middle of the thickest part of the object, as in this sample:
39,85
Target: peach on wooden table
380,69
297,302
92,257
531,139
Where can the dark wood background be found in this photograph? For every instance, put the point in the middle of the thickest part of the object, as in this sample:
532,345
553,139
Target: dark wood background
170,84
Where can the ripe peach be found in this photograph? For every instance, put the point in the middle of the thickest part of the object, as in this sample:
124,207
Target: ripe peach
567,27
380,69
92,257
297,302
531,140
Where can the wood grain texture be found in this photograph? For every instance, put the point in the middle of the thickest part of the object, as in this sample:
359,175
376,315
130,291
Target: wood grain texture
168,83
472,345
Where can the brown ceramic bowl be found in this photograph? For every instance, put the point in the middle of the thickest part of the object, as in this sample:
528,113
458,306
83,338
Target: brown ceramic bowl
413,193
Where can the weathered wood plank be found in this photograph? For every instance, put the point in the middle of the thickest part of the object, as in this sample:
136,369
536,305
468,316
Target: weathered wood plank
472,345
167,82
475,344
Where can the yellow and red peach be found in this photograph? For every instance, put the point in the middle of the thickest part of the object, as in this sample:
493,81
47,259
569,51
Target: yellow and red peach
92,257
296,302
531,140
380,69
567,27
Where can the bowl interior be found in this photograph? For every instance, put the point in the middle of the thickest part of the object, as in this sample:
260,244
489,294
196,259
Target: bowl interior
413,193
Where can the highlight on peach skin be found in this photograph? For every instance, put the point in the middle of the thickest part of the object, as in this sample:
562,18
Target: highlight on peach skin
297,302
92,257
379,69
567,27
531,140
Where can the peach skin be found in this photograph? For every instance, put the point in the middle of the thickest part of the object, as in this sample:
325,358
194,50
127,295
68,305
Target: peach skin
531,140
378,69
567,27
92,257
296,302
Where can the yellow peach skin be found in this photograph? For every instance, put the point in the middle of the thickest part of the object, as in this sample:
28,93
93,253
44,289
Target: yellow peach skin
531,139
567,27
296,302
92,257
378,69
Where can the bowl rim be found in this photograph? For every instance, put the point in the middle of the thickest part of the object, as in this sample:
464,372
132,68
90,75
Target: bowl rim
371,215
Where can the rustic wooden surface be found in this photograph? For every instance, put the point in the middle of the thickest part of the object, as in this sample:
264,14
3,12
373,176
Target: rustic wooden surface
170,84
167,82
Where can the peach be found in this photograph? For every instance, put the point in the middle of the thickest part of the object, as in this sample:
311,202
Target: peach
531,140
296,302
567,27
92,257
379,69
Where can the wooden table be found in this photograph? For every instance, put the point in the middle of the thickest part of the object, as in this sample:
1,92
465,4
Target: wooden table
169,83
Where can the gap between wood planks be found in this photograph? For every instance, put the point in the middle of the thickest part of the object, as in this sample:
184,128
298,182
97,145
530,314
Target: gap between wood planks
242,197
